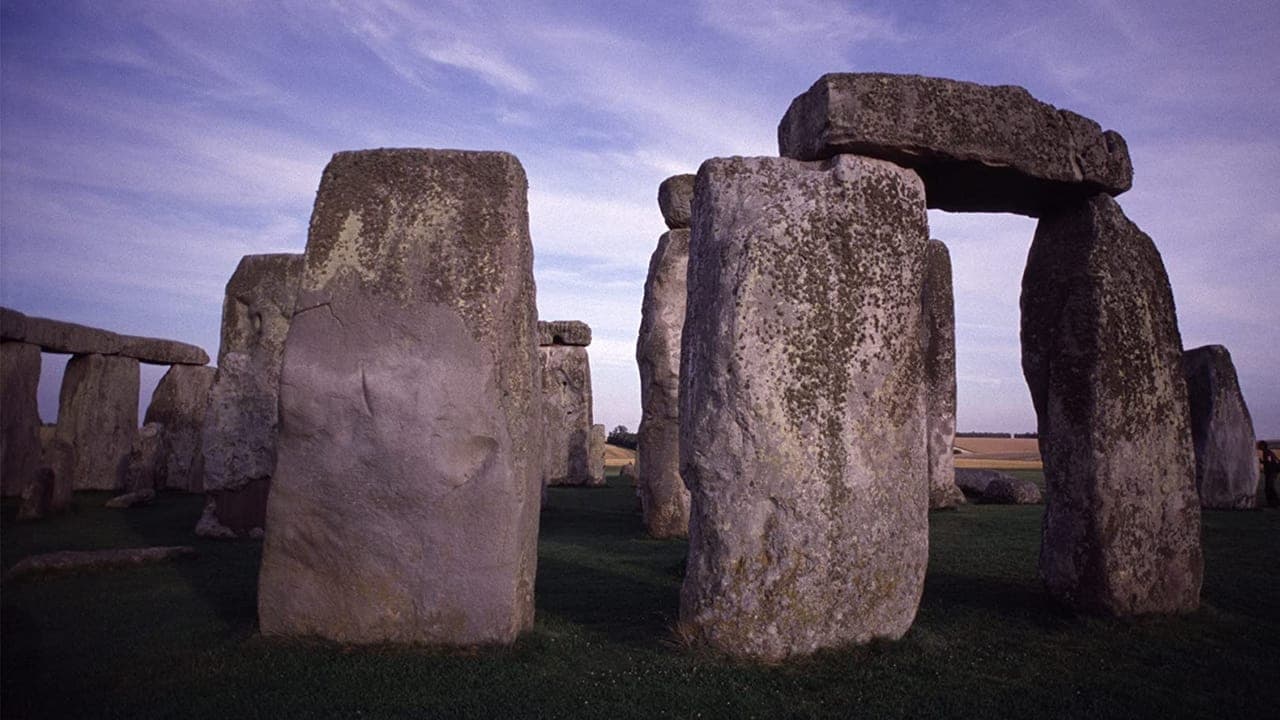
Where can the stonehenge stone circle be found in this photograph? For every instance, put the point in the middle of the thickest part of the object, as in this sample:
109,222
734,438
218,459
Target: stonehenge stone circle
566,405
979,148
938,326
405,501
19,416
179,404
63,337
1221,431
1102,356
675,200
98,417
802,405
664,499
241,422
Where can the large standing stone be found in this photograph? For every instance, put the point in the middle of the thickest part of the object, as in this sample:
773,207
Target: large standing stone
179,404
240,426
98,417
1221,430
19,416
664,500
939,342
404,505
1103,358
802,405
977,147
566,415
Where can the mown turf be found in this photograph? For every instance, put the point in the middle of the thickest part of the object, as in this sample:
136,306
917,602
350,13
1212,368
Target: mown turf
179,640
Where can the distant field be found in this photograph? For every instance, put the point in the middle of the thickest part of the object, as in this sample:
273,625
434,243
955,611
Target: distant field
998,453
616,457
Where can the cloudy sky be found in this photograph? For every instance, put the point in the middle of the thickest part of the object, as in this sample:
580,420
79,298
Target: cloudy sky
146,146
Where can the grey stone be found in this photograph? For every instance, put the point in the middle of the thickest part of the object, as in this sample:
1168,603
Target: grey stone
1012,491
974,481
1221,430
595,457
405,500
38,496
977,147
675,199
68,560
156,351
1102,356
98,417
57,455
180,403
664,499
802,405
147,463
563,332
131,499
566,415
938,326
19,416
65,337
235,512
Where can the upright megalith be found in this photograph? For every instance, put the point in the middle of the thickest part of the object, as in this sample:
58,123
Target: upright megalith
664,499
98,417
566,403
938,341
802,405
179,404
595,456
19,416
1103,359
404,504
977,147
1221,431
238,438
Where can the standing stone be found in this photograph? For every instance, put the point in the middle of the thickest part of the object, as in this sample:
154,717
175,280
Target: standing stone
57,455
566,415
148,462
1103,359
1221,430
404,504
179,405
664,499
595,458
98,417
939,342
238,444
802,405
19,416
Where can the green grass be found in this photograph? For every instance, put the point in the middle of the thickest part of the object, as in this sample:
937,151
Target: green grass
179,640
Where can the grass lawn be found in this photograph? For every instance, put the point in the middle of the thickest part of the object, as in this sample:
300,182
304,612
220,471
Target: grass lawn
179,640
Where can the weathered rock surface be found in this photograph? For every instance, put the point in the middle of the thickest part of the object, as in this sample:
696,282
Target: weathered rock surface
566,415
993,487
146,466
404,504
180,403
57,456
1221,431
98,417
130,499
664,499
64,337
238,512
938,339
595,456
675,199
977,147
39,496
802,405
19,416
1102,356
97,559
563,332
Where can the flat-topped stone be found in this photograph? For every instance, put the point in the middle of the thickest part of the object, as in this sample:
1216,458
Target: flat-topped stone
564,332
65,337
675,199
978,148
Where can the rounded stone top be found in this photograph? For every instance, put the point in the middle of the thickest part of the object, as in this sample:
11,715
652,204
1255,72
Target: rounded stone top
563,332
675,199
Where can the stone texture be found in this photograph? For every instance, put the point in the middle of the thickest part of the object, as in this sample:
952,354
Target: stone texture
1227,472
974,481
19,416
1012,491
595,456
664,500
180,403
64,337
238,444
132,499
802,405
938,340
405,500
1102,356
566,415
58,456
38,497
977,147
66,560
98,417
147,463
563,332
675,199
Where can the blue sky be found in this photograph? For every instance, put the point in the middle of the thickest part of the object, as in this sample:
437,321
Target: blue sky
146,146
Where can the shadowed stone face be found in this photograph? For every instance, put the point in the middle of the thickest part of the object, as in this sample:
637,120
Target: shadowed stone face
802,406
1103,359
98,417
1222,431
179,404
566,416
404,505
675,200
664,500
19,416
979,148
939,343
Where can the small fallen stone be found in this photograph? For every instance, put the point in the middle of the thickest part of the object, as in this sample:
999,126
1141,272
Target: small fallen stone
96,559
137,497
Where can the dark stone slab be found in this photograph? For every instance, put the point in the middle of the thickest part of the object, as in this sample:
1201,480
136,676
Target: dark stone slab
675,199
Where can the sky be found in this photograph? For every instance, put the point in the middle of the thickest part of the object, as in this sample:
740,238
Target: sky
146,146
